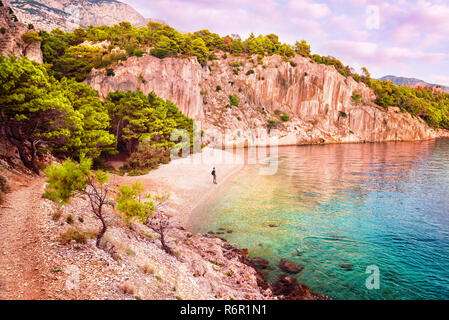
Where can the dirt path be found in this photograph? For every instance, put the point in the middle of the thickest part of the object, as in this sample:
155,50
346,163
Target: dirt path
21,243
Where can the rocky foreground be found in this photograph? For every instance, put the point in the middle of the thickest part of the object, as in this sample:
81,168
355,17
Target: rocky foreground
48,252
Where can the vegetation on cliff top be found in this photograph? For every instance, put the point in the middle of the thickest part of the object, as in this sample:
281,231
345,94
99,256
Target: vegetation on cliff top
70,57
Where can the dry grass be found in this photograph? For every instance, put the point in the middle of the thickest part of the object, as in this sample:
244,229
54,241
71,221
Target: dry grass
147,269
57,214
76,235
128,288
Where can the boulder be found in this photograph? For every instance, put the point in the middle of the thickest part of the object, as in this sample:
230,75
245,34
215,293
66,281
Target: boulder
261,263
289,266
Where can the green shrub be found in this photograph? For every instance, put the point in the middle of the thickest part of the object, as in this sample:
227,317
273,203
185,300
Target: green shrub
293,64
142,79
218,89
357,97
285,117
2,30
234,100
31,37
69,219
277,112
342,114
249,72
110,72
148,157
235,64
272,124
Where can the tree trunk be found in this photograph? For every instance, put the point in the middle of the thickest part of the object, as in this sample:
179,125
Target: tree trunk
117,136
162,239
101,232
30,164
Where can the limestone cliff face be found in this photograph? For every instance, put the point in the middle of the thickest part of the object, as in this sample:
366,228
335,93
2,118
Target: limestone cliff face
317,99
11,32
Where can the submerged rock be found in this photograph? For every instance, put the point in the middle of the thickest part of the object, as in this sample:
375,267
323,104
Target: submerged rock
289,266
346,266
261,263
288,288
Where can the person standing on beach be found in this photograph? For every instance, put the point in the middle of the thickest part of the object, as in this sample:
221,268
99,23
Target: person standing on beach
214,174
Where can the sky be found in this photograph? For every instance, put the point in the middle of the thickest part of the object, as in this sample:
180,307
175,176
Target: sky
390,37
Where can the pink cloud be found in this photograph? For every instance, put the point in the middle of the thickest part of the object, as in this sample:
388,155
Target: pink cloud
412,34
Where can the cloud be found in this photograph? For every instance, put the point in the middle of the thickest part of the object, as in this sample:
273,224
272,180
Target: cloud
309,9
440,79
411,37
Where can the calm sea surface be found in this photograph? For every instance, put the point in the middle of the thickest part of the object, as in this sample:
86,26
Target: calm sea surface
341,208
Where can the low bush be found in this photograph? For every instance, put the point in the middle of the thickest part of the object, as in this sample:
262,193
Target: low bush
76,235
69,219
147,157
110,72
357,97
285,117
235,64
234,100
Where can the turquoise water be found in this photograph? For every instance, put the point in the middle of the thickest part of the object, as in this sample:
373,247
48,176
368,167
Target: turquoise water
356,204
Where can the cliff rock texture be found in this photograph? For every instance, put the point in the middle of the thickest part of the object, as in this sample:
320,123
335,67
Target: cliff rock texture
316,101
11,31
71,14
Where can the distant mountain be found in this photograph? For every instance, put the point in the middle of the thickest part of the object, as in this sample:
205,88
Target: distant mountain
412,82
71,14
11,32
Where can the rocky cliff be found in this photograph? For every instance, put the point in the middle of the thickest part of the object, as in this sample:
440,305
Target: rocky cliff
71,14
11,31
317,101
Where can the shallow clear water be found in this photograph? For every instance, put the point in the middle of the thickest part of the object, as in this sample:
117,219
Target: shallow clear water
383,204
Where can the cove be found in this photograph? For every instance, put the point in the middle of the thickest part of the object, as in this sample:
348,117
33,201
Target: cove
338,209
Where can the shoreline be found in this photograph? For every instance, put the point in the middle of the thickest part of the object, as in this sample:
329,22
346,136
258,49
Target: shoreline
189,181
